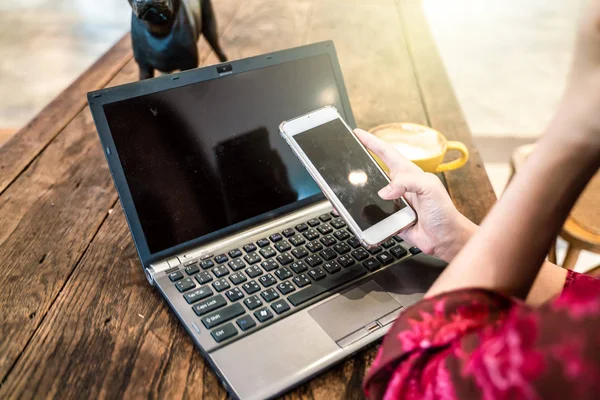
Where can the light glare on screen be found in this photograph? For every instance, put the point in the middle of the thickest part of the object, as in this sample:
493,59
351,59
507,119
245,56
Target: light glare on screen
358,178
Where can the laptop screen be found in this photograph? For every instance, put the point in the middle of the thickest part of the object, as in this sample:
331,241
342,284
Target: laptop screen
207,156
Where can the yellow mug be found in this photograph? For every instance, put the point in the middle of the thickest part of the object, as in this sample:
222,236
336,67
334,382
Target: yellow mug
422,145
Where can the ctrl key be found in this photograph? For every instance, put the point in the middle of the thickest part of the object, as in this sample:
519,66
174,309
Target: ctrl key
223,333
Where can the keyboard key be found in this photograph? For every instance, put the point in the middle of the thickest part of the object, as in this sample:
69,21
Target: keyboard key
313,222
414,250
221,258
360,254
283,246
251,287
252,302
185,285
314,246
223,315
334,213
346,261
276,237
328,254
192,269
280,306
267,280
206,264
372,264
267,252
325,229
332,267
313,260
262,242
285,287
253,271
223,333
263,314
198,294
388,243
375,250
285,259
327,240
338,223
301,227
283,273
235,253
288,232
333,281
354,242
220,271
298,267
237,277
175,276
385,258
245,323
250,247
252,258
270,295
311,234
398,239
398,251
236,264
342,248
297,240
220,285
299,252
316,274
209,305
234,294
301,280
203,277
341,235
325,217
269,265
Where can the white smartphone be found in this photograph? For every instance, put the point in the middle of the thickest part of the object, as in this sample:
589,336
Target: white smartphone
347,174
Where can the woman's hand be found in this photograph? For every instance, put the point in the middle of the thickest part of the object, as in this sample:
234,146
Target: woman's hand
440,229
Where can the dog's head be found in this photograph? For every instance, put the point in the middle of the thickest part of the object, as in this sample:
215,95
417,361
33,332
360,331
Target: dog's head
155,12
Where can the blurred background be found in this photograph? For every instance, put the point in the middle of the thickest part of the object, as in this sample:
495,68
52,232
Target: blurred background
507,60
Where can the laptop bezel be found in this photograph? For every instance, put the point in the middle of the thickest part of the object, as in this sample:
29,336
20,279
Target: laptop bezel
97,100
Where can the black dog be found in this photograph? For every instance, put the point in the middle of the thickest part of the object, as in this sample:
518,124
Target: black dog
165,32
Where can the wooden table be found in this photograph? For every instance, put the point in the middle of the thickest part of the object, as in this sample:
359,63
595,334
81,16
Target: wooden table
78,318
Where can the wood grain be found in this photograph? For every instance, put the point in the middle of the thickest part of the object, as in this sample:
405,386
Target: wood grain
23,147
468,186
97,329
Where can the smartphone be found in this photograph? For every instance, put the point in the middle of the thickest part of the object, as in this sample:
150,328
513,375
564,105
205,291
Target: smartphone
347,174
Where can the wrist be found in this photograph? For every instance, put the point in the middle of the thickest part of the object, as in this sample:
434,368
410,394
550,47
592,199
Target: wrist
462,231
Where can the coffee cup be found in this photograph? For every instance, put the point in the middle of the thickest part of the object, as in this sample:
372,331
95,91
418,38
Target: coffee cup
422,145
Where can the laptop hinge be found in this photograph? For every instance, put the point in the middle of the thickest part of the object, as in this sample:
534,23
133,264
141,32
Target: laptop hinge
160,266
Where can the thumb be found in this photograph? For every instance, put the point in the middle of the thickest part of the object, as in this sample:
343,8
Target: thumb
401,184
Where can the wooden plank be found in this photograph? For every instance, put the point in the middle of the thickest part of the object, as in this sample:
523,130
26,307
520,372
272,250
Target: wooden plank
5,134
22,148
468,186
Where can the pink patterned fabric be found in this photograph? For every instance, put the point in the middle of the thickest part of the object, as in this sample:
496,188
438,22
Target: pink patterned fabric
479,344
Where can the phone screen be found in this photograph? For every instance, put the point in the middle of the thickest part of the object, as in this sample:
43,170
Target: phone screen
349,171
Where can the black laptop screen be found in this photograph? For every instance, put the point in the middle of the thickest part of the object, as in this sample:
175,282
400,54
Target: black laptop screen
207,156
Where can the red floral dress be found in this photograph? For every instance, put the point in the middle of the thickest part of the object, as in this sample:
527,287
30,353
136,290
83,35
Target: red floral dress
479,344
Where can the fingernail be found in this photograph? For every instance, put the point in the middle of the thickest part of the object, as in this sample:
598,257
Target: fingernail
385,191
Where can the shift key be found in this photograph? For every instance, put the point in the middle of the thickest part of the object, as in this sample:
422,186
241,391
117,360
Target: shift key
209,305
223,315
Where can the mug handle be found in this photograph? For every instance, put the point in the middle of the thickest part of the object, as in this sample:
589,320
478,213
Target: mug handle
459,162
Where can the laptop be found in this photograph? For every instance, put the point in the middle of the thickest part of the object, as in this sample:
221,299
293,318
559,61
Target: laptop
270,284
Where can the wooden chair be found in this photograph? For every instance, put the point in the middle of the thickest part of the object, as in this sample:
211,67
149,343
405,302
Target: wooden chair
582,228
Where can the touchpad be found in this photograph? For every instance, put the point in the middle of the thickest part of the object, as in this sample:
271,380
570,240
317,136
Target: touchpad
354,309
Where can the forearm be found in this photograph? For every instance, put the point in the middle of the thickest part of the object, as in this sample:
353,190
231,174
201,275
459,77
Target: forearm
509,248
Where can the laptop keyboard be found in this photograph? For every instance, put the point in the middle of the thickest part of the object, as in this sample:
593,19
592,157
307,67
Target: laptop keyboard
243,289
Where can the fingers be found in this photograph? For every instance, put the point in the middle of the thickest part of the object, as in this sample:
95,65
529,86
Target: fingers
409,182
395,161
